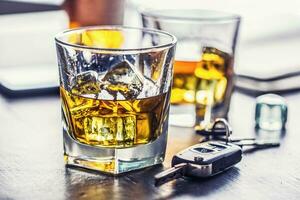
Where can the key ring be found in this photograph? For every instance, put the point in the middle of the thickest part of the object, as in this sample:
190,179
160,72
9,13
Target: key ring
219,129
228,129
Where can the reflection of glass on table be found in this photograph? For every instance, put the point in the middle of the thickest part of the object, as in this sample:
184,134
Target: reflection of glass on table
203,68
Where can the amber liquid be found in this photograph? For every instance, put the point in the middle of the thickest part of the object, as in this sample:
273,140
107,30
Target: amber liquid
184,82
113,123
207,83
194,81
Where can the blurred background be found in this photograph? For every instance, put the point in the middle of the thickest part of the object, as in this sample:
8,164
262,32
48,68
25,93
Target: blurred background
268,45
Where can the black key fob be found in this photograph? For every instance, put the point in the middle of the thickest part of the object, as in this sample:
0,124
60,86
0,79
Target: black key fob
208,158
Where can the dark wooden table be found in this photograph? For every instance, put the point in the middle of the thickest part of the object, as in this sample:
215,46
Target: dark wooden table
32,167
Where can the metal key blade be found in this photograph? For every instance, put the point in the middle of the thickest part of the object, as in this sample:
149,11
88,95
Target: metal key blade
258,144
170,174
263,145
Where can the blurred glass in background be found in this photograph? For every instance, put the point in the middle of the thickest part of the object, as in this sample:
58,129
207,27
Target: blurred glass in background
269,36
203,68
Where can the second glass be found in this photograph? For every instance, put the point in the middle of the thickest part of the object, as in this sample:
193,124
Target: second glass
203,68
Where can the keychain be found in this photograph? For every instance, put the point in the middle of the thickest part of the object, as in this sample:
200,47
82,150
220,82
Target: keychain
221,130
209,158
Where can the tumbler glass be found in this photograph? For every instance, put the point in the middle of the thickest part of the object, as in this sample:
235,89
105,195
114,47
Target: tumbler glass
203,68
115,87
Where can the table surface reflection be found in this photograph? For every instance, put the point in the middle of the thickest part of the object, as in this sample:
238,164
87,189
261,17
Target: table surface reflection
32,167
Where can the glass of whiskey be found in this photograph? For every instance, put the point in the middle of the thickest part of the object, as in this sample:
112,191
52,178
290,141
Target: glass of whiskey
203,69
115,85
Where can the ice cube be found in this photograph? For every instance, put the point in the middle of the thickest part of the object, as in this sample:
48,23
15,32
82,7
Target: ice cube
123,80
270,112
107,131
86,84
92,130
130,129
149,88
84,107
119,130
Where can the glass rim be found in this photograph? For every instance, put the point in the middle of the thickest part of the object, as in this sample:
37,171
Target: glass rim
172,43
159,13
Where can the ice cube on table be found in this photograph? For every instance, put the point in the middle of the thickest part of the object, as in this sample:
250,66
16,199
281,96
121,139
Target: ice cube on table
123,80
270,112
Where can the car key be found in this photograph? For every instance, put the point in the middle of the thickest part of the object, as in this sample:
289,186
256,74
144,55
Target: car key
201,160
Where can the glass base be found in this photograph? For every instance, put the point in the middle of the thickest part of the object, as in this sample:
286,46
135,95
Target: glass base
114,160
112,166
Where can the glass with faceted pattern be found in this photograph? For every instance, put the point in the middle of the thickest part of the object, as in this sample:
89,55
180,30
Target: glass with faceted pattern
115,88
